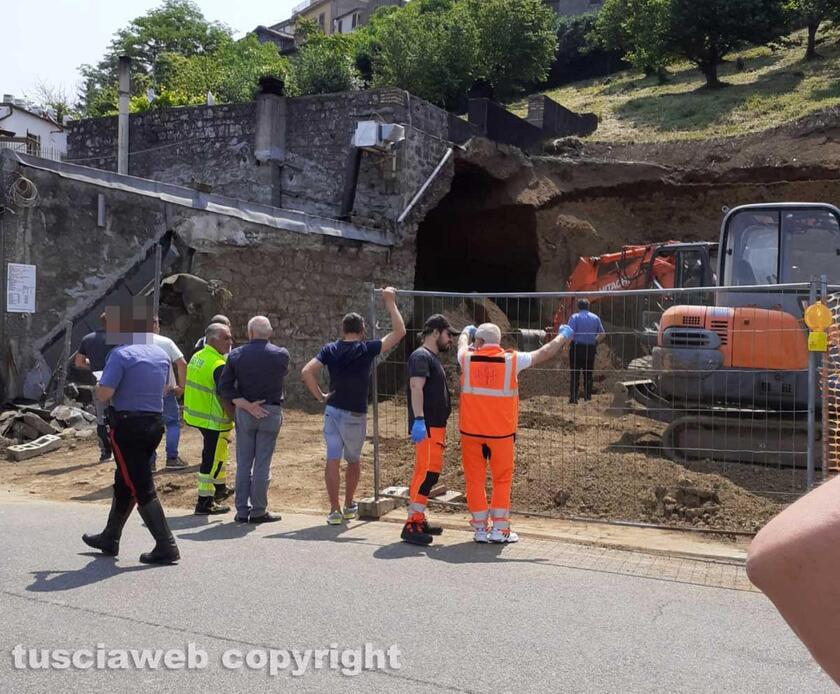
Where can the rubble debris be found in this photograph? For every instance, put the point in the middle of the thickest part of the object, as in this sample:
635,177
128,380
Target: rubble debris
24,423
24,451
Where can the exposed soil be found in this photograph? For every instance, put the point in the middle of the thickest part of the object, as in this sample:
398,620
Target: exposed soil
571,461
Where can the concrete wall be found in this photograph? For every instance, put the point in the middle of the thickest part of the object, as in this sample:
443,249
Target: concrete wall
304,282
217,145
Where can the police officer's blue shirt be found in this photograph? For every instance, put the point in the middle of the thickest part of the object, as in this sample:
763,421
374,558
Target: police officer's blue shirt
138,374
587,327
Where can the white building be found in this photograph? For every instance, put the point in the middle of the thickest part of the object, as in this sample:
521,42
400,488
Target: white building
27,129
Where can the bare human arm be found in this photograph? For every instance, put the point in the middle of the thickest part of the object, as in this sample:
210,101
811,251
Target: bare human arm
180,376
548,351
416,384
80,361
795,563
392,339
104,393
309,374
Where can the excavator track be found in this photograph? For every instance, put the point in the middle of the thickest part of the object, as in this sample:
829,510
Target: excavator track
725,434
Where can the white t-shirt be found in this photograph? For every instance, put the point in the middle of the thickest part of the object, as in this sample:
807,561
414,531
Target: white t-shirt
169,347
172,351
523,359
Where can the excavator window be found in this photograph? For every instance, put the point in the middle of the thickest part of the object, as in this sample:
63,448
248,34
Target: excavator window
752,249
810,246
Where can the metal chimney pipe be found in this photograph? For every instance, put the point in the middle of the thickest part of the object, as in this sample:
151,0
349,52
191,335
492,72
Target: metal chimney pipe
122,131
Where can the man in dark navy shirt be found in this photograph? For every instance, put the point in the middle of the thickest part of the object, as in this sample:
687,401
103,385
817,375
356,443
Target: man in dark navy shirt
349,362
253,381
91,356
133,381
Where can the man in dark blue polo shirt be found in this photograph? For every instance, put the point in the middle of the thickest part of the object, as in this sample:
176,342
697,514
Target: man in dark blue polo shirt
132,384
588,332
349,362
91,356
253,381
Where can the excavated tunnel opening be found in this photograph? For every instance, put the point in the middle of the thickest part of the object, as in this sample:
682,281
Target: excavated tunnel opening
477,239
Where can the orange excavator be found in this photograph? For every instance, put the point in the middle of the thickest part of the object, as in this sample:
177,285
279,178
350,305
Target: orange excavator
730,377
652,266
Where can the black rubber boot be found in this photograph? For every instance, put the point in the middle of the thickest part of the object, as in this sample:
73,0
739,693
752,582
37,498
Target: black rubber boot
413,533
165,551
222,492
431,529
207,506
108,541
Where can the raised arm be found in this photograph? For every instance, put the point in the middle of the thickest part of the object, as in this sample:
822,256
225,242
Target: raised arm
392,339
552,349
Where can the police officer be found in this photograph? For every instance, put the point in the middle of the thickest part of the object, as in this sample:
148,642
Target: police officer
207,412
132,383
588,331
489,417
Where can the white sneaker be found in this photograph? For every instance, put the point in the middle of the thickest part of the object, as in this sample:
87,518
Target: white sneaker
335,518
502,535
481,535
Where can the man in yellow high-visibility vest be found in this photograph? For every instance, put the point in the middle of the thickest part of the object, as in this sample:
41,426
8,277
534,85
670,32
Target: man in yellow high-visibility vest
212,416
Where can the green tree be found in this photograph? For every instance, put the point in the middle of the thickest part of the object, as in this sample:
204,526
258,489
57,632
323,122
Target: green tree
231,72
705,32
517,41
323,65
429,48
176,26
812,13
639,29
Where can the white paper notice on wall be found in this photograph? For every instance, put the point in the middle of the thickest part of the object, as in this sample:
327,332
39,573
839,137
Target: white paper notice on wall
20,288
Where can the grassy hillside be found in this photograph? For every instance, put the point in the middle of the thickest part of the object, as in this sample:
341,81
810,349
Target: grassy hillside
774,87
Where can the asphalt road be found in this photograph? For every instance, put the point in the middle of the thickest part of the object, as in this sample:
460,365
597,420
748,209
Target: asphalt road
536,617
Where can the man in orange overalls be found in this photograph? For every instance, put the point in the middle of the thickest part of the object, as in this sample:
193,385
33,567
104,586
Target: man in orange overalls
489,415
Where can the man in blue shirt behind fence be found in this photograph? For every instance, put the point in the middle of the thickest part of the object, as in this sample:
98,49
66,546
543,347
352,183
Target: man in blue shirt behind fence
588,333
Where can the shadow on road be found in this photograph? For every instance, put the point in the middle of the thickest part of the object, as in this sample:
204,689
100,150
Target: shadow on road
320,533
219,530
100,568
462,553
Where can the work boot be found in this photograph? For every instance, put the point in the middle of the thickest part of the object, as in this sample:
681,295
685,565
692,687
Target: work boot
413,532
108,541
207,506
222,492
165,551
431,529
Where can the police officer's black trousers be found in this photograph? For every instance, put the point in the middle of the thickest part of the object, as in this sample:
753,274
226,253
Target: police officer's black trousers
581,359
134,438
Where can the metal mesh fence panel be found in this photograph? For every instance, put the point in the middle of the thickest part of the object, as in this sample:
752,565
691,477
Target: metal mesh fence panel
697,415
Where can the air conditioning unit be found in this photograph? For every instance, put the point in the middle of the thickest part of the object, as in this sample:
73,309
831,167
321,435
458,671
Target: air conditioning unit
377,137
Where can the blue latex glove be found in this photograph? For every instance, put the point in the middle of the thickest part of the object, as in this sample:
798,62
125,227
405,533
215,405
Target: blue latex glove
566,332
418,431
470,331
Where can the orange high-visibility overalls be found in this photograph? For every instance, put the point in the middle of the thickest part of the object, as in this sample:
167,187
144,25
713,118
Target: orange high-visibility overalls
489,413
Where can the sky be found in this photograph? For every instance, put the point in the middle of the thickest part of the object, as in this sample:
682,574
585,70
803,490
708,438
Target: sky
47,40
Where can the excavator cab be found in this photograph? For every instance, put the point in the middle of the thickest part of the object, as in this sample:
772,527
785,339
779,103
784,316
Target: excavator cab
743,357
694,267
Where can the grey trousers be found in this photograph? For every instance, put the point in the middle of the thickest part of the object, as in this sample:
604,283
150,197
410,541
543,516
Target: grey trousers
255,439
